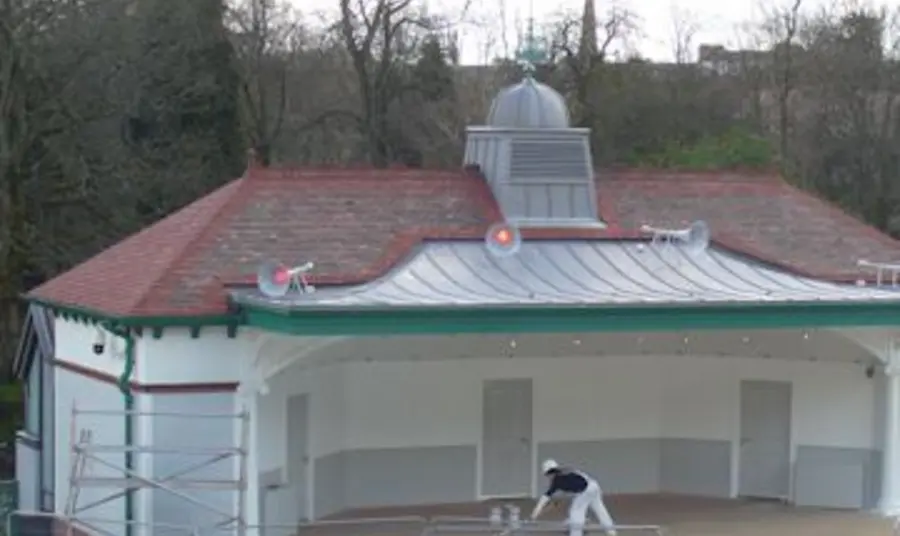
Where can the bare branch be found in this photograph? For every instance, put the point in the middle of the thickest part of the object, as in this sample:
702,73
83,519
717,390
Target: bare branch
685,27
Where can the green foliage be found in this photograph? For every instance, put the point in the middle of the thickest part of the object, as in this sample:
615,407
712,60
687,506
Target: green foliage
10,411
10,423
432,73
186,123
8,503
734,148
10,393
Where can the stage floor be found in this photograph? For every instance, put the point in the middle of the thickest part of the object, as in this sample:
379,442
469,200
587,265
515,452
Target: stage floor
679,515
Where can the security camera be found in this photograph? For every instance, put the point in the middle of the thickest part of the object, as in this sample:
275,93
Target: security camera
100,342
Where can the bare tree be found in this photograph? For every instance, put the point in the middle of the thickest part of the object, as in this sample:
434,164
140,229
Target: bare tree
287,118
851,117
583,68
782,24
614,27
381,37
265,35
751,82
503,15
685,27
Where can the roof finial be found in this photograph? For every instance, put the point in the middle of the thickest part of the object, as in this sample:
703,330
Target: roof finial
531,52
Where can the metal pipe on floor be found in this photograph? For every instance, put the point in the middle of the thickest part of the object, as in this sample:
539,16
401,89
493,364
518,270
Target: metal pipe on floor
537,527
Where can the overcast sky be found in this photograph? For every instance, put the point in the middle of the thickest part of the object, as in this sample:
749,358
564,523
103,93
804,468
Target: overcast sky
719,21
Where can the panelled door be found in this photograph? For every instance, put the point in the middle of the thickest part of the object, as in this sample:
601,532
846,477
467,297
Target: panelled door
298,451
765,447
506,448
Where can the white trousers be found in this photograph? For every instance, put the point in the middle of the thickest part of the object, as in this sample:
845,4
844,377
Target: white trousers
591,498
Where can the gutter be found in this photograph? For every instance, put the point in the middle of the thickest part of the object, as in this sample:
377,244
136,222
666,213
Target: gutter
124,384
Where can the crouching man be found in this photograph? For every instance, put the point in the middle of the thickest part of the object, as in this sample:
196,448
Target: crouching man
586,492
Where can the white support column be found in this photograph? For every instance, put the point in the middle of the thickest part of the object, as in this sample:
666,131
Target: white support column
251,515
890,472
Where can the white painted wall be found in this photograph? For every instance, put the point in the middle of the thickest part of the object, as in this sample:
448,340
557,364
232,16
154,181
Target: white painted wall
702,399
432,403
439,403
178,358
326,432
406,404
327,425
75,344
174,358
88,394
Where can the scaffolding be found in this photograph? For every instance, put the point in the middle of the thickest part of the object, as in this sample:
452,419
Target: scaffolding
184,483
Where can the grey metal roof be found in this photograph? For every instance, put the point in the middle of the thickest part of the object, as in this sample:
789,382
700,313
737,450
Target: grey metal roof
528,104
539,178
575,273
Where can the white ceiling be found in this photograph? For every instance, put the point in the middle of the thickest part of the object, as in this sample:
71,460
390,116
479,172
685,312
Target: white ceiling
812,345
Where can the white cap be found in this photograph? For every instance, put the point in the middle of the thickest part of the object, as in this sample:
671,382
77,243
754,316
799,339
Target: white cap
549,465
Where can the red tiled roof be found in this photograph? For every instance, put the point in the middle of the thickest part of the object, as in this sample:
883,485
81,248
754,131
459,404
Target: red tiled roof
758,215
357,223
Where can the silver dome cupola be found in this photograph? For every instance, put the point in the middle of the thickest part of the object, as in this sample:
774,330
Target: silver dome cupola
538,167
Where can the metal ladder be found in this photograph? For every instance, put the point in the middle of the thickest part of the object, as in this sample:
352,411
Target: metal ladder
76,474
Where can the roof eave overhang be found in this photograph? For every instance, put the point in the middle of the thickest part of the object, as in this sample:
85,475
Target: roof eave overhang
546,318
549,318
138,323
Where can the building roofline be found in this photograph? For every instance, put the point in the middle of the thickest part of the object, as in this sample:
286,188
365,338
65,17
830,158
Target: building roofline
212,307
402,246
564,319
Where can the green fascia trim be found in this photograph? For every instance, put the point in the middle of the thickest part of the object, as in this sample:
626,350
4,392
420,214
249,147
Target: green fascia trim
552,319
138,323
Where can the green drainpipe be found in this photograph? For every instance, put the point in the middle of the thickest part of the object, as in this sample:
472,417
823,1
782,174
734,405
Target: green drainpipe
124,384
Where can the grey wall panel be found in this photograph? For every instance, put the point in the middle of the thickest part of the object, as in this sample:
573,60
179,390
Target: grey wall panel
328,489
195,433
361,478
695,467
873,481
277,509
620,465
27,465
835,477
398,476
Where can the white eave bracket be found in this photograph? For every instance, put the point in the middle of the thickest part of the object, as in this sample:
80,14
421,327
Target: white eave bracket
882,343
271,356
